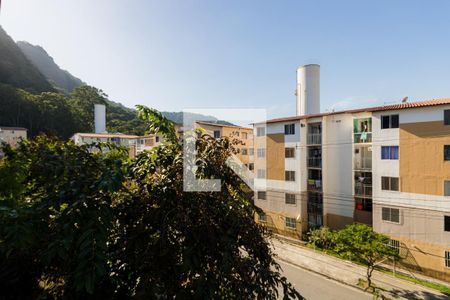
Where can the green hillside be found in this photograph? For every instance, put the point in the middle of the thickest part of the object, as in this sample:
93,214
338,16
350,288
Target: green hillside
60,78
16,70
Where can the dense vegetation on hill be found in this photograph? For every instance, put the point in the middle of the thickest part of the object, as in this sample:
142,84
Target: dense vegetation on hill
81,225
27,99
61,79
17,70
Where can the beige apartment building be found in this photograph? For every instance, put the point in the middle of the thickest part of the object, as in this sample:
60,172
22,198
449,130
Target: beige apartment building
387,167
12,135
243,135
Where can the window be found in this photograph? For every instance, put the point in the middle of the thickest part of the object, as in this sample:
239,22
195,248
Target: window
262,195
395,245
157,139
244,151
389,183
216,134
389,152
446,187
447,259
251,166
289,199
263,218
289,152
291,223
447,117
260,131
261,173
390,214
289,129
244,135
261,152
251,151
391,121
289,175
446,223
446,152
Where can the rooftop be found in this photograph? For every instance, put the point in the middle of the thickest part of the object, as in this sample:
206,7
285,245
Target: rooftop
12,128
398,106
221,125
110,135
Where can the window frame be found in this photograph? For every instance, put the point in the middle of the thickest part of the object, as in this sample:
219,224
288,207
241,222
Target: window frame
446,117
391,155
446,152
289,129
389,181
447,188
289,177
261,152
395,244
290,150
290,199
216,134
244,151
260,131
263,171
261,193
390,209
447,259
447,223
288,222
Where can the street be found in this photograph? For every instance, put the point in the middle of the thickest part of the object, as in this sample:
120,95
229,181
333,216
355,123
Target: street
315,287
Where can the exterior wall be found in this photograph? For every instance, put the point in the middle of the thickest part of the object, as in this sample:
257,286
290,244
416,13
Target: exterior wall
337,175
423,238
12,136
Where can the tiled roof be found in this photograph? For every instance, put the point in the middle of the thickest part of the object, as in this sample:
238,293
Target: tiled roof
398,106
221,125
12,128
110,135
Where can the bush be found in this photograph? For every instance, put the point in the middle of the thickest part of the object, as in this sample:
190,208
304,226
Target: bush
321,238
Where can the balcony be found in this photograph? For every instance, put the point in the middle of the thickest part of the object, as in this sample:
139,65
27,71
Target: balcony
363,190
363,163
314,185
363,217
315,162
362,137
314,138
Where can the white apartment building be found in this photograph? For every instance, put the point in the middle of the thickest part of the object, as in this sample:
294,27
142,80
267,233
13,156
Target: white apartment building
387,167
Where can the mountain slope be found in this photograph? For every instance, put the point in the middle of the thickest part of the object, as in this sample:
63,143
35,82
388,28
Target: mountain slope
16,70
60,78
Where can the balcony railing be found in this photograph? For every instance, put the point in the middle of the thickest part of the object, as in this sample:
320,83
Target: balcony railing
314,138
314,185
314,162
362,137
363,190
363,163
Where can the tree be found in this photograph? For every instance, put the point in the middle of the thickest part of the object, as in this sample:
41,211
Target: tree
360,243
77,224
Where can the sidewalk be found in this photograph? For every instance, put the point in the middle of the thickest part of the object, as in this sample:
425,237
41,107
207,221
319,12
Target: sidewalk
350,273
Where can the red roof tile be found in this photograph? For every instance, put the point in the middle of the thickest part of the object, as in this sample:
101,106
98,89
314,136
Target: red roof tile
398,106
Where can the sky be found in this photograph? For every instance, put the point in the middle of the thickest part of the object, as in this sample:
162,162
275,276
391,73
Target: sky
174,55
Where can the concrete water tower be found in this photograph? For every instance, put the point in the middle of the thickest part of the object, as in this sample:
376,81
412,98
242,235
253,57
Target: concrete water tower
308,90
100,118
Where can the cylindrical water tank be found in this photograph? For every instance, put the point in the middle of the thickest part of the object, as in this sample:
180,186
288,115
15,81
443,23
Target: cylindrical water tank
308,90
100,118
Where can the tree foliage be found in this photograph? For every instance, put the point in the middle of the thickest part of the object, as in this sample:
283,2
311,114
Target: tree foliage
77,224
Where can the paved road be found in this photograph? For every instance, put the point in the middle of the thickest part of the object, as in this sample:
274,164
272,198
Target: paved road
315,287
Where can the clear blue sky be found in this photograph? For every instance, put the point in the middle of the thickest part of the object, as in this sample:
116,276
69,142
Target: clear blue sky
203,54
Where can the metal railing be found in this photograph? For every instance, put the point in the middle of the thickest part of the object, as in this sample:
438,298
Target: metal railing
362,137
314,139
363,190
363,162
314,185
314,162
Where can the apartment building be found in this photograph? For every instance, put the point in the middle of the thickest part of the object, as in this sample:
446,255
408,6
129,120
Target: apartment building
387,167
12,135
243,136
134,143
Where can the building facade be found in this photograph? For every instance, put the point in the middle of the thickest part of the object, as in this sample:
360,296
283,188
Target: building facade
12,135
387,167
